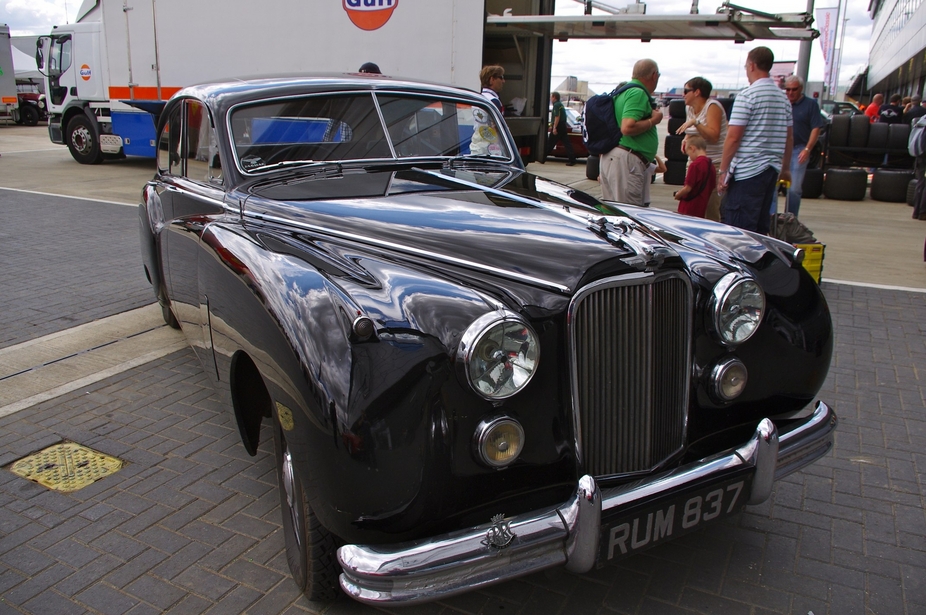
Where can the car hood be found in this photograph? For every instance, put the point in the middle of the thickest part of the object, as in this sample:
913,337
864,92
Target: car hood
508,223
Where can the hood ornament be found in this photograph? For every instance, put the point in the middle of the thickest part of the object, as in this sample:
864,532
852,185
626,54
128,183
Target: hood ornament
649,252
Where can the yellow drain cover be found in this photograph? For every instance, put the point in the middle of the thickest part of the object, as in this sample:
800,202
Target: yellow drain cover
66,467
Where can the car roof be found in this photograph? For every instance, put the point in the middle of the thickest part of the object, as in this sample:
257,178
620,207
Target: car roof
220,95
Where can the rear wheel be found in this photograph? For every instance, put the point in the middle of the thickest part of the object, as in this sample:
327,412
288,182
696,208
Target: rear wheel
311,550
83,141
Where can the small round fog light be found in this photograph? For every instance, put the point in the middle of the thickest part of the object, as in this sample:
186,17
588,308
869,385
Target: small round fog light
728,379
498,441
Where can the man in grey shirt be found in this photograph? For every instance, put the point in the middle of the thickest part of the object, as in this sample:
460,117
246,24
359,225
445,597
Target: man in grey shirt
757,150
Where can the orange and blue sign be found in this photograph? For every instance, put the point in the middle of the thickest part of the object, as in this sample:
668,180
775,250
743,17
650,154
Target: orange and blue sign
85,72
370,14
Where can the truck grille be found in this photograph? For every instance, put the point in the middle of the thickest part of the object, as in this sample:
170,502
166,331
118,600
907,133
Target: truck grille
630,345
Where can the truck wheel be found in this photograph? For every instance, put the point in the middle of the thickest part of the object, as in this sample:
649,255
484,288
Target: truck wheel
311,550
28,115
83,142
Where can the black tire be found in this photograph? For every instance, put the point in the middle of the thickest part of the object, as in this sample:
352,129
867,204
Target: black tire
311,550
83,141
845,184
859,127
677,108
592,170
675,172
169,317
877,136
890,185
812,187
897,136
911,193
674,124
29,115
673,148
839,131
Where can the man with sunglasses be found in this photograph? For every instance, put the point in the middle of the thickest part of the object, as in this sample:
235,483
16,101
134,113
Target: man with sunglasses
757,150
807,123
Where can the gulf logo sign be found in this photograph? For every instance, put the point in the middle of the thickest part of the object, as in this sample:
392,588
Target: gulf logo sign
370,14
85,72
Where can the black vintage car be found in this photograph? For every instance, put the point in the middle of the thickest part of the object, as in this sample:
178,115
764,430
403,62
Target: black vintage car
471,372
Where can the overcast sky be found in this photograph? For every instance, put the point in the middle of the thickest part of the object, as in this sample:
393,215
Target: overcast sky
602,63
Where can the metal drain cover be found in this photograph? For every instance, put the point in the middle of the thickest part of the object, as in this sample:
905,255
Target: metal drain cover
66,467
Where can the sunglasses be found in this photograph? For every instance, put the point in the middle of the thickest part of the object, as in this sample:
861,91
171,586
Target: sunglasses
791,89
687,90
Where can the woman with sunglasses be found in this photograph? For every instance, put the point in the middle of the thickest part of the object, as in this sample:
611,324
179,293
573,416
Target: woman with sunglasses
707,119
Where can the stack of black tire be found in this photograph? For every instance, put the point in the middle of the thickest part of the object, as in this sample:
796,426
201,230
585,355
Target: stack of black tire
676,159
854,142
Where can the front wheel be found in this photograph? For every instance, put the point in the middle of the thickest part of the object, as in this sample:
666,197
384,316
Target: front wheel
83,141
311,550
29,115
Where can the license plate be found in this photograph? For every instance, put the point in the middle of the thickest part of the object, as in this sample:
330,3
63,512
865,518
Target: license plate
676,514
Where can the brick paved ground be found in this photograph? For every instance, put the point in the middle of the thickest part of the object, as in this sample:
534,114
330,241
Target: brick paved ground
191,525
65,262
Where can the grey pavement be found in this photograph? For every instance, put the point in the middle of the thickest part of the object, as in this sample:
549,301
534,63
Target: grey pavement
192,524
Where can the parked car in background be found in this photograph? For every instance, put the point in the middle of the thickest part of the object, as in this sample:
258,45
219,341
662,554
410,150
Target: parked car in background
830,108
32,108
469,372
574,119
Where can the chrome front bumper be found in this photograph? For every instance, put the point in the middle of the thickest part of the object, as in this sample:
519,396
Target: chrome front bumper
569,534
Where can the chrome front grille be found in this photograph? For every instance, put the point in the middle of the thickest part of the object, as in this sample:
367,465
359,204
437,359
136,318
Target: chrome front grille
630,345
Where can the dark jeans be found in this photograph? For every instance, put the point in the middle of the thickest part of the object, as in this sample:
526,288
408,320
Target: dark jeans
745,205
564,137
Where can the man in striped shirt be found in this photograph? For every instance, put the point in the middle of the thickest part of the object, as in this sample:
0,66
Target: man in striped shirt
757,150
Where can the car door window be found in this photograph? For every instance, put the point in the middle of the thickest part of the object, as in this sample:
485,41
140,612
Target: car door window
169,144
201,153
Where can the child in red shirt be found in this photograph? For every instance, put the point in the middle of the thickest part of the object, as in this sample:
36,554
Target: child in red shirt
700,180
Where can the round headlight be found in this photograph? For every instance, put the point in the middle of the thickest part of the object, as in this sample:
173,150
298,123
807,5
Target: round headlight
728,379
500,354
498,442
737,305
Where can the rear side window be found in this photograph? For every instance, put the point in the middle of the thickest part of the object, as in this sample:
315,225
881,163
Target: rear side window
169,144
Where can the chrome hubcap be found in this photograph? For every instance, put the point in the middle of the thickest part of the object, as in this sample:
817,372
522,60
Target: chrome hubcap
289,488
82,140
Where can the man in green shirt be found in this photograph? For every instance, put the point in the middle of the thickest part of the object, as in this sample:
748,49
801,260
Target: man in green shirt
623,169
559,131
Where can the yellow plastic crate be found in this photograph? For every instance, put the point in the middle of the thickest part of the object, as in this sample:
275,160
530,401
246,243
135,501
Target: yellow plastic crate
813,259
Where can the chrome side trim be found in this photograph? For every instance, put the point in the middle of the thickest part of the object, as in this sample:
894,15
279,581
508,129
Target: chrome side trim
511,275
453,563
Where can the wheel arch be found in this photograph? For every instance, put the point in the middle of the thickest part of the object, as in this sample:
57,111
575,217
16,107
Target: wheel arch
250,399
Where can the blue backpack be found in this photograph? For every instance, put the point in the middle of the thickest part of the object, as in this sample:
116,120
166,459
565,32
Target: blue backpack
600,129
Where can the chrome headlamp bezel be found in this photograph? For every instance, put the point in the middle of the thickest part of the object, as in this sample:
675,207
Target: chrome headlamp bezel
471,350
726,325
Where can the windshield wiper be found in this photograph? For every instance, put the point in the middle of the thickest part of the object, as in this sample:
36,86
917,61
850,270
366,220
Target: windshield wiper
470,160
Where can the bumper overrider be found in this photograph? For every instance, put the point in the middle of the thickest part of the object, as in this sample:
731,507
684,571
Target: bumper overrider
593,527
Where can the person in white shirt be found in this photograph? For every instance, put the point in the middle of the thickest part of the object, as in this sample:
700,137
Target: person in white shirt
493,80
757,150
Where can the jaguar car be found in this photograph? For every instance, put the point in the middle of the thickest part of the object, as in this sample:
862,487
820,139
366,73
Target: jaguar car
469,373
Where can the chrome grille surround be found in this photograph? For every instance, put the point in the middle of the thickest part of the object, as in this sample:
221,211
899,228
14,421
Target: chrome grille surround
630,363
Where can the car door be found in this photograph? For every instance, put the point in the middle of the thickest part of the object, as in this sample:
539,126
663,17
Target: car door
192,196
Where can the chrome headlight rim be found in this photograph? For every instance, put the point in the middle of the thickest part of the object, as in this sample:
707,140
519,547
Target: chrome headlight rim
722,291
475,333
721,369
485,429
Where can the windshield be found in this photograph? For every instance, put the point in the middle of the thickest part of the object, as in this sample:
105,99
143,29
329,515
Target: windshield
362,126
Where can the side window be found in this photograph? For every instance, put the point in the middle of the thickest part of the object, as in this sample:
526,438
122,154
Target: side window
202,152
169,144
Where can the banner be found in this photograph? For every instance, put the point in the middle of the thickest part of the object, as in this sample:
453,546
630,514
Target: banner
826,24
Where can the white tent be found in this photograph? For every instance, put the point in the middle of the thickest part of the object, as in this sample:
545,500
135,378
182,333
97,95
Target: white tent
24,67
